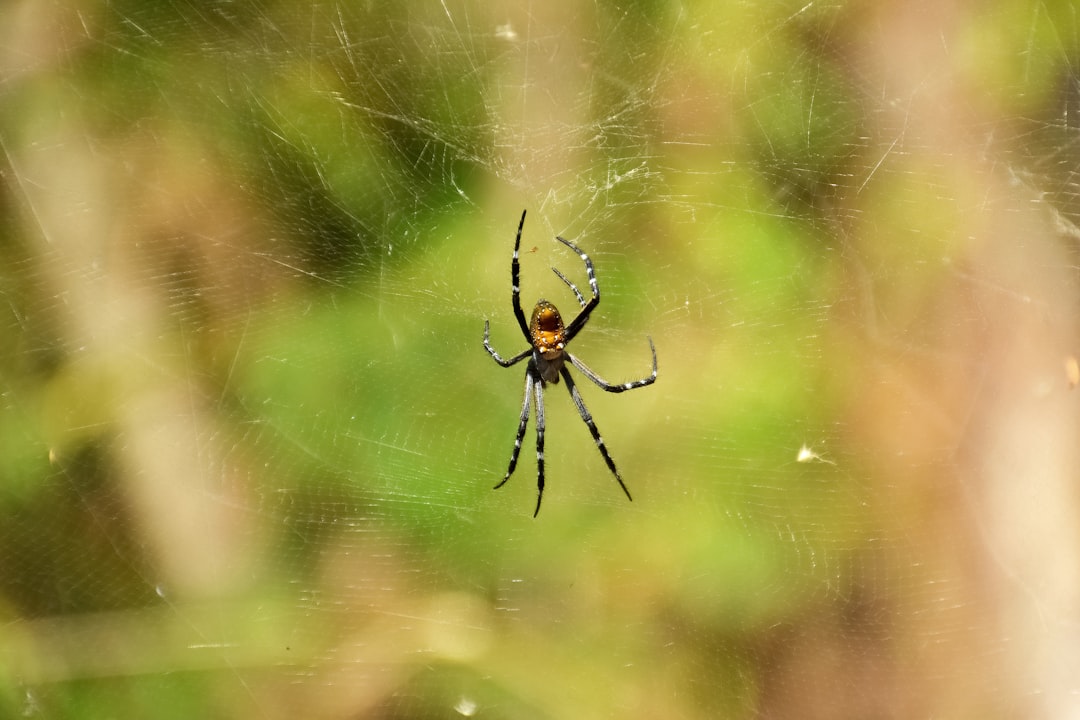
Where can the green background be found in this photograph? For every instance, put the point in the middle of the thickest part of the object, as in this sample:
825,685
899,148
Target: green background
249,432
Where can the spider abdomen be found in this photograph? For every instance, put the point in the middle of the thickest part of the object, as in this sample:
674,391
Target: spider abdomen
547,331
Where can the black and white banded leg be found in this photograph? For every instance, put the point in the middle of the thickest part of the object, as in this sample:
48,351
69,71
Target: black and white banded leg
541,426
498,358
523,422
616,387
587,417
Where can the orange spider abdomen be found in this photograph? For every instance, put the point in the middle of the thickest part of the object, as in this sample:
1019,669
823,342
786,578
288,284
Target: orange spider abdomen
547,331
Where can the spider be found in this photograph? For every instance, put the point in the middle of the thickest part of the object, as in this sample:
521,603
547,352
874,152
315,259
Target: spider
547,354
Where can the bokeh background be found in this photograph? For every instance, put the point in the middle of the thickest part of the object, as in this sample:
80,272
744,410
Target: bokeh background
248,430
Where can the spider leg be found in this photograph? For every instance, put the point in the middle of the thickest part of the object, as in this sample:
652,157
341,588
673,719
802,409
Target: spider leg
613,387
538,386
515,282
579,322
572,286
583,411
498,358
522,422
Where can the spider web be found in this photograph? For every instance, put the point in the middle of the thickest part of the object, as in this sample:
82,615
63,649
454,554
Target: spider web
250,431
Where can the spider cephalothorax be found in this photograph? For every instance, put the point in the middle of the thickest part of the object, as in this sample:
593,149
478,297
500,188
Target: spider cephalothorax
548,338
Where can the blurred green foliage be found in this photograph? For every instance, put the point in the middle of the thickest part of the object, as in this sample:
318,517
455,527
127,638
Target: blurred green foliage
248,426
